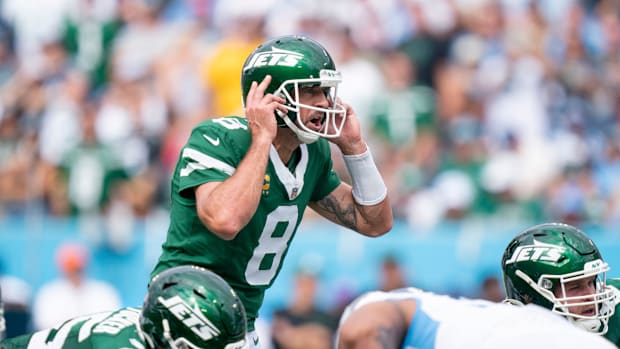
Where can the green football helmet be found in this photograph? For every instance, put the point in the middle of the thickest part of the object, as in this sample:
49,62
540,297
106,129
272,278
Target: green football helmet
191,307
293,62
545,258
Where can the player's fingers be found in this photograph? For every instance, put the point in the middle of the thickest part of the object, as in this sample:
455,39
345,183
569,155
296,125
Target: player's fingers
250,95
280,107
263,86
270,97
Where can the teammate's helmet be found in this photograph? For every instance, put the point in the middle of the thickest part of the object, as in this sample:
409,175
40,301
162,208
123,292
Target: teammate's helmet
295,61
549,255
191,307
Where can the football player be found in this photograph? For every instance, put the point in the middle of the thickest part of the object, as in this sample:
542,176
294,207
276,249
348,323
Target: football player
185,307
412,318
558,267
241,184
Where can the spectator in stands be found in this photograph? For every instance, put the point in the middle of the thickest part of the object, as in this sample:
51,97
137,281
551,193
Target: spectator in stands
302,324
491,289
243,30
73,294
539,80
392,275
16,299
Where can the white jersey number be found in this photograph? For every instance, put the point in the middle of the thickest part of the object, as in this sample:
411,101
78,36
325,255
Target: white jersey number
231,124
270,245
40,339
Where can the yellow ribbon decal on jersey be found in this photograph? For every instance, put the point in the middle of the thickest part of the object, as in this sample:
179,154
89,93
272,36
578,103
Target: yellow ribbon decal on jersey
266,184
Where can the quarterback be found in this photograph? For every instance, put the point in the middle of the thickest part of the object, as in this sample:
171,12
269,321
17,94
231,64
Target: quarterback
186,307
241,184
558,267
411,318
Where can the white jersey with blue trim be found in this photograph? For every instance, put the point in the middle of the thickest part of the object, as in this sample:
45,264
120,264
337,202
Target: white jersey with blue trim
444,322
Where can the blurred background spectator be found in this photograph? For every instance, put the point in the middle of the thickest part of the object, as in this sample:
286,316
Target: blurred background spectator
492,289
15,298
74,293
477,108
302,324
391,274
483,115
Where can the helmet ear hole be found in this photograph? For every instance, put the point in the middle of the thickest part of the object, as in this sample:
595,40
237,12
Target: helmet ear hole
169,284
199,294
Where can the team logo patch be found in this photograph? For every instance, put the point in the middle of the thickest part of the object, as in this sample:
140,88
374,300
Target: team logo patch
294,193
266,185
191,317
539,251
275,57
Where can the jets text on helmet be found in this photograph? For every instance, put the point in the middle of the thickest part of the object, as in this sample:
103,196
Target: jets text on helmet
274,57
537,252
192,318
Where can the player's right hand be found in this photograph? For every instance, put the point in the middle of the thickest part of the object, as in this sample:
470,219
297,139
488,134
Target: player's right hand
260,109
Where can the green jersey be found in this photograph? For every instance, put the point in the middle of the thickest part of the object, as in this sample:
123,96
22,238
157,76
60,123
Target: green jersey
115,329
613,333
251,261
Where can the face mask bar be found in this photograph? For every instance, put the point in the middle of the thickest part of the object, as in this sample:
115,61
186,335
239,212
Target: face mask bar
334,116
601,298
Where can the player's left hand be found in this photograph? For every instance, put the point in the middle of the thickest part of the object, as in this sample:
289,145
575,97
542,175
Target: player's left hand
350,140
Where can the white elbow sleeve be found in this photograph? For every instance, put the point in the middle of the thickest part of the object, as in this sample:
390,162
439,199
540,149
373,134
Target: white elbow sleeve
368,186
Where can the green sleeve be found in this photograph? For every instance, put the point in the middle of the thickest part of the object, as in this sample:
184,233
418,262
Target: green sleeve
19,342
211,153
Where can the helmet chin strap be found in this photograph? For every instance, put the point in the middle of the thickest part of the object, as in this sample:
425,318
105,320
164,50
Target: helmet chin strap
303,136
590,325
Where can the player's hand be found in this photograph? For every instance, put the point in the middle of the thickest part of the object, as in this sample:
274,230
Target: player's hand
350,140
260,110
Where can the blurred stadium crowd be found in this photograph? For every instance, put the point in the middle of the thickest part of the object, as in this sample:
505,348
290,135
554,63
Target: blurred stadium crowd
476,110
493,109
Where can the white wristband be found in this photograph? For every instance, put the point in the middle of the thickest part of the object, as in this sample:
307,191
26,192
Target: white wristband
368,186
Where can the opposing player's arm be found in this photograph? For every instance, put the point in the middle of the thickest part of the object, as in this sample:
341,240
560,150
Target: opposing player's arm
340,207
378,325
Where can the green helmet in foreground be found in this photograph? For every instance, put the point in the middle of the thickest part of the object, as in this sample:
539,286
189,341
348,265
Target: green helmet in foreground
191,307
293,62
546,257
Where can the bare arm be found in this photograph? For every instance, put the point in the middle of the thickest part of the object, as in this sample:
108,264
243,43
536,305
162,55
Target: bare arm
380,325
226,207
340,207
